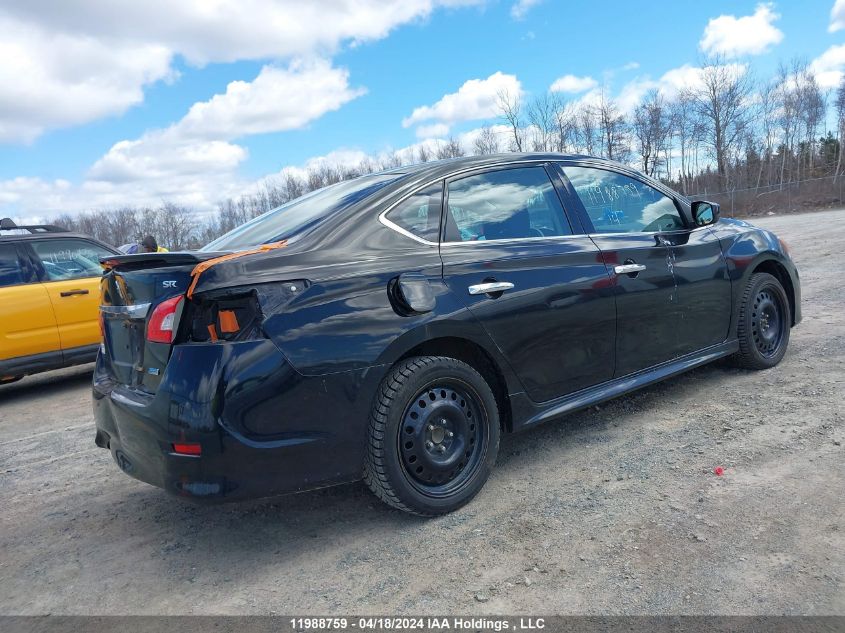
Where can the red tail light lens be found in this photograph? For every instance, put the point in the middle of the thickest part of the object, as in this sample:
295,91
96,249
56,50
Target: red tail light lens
162,321
187,449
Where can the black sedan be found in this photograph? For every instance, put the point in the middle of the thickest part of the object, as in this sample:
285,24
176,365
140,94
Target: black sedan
392,327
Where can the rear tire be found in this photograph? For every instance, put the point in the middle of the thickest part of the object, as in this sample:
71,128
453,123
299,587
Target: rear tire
433,436
764,323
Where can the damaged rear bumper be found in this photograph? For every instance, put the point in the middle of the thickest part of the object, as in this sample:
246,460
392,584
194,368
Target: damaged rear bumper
263,428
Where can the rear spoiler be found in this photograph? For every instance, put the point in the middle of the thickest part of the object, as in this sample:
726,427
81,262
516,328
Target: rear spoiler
139,261
199,261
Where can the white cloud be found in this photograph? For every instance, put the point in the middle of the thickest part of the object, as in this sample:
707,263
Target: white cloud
682,78
37,198
476,99
229,30
194,161
342,157
40,198
520,8
277,99
632,94
829,66
432,131
56,79
573,84
75,62
731,36
669,85
837,16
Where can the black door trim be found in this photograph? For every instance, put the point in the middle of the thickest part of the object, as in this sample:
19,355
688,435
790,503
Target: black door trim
36,363
527,413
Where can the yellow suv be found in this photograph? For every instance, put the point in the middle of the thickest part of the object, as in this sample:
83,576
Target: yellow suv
49,298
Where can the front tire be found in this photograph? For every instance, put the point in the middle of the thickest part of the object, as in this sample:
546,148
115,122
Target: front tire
764,323
433,436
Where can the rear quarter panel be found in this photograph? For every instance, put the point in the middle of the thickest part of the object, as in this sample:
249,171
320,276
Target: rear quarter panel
346,319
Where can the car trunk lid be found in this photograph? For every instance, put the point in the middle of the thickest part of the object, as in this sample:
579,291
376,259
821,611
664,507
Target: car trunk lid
132,288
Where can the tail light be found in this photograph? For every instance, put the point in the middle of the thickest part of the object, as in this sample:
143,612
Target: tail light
162,323
187,449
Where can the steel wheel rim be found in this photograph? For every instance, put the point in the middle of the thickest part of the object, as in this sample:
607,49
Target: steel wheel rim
443,437
768,322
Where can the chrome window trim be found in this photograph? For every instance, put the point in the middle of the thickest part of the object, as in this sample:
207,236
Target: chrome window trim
399,229
514,239
676,232
395,227
622,170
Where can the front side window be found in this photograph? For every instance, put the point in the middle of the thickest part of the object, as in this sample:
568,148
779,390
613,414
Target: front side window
69,258
505,204
11,273
619,204
420,213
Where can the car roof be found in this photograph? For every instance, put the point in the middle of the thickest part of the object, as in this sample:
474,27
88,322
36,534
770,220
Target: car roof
434,170
468,162
46,235
53,232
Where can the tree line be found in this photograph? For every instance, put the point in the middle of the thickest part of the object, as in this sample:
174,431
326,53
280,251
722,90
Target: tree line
726,133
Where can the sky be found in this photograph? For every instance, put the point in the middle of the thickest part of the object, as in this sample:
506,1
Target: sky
107,103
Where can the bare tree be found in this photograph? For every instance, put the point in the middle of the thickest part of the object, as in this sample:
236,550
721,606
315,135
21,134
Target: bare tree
450,149
294,187
510,109
173,226
613,129
721,100
566,126
766,121
424,153
839,105
487,142
586,128
541,118
652,129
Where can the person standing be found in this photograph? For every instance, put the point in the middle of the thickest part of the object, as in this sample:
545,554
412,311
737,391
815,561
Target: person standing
150,245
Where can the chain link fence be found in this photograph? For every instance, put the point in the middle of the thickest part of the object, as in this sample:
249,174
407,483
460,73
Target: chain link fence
801,195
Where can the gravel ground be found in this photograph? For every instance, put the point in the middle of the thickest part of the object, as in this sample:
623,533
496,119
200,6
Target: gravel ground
614,510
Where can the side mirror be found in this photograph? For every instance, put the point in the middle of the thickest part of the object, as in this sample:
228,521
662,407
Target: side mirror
705,213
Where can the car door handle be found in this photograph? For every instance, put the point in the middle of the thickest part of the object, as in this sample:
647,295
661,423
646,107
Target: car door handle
70,293
627,269
490,287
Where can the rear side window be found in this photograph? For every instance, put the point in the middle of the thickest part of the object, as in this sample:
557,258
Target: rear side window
302,214
503,205
619,204
10,267
420,213
69,258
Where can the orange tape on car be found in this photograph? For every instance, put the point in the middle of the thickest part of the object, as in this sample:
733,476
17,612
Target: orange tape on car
228,321
200,268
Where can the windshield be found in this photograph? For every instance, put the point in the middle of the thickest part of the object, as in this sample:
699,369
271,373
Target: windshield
301,214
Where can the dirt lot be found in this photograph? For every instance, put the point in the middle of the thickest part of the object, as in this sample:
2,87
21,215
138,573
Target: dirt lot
615,510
